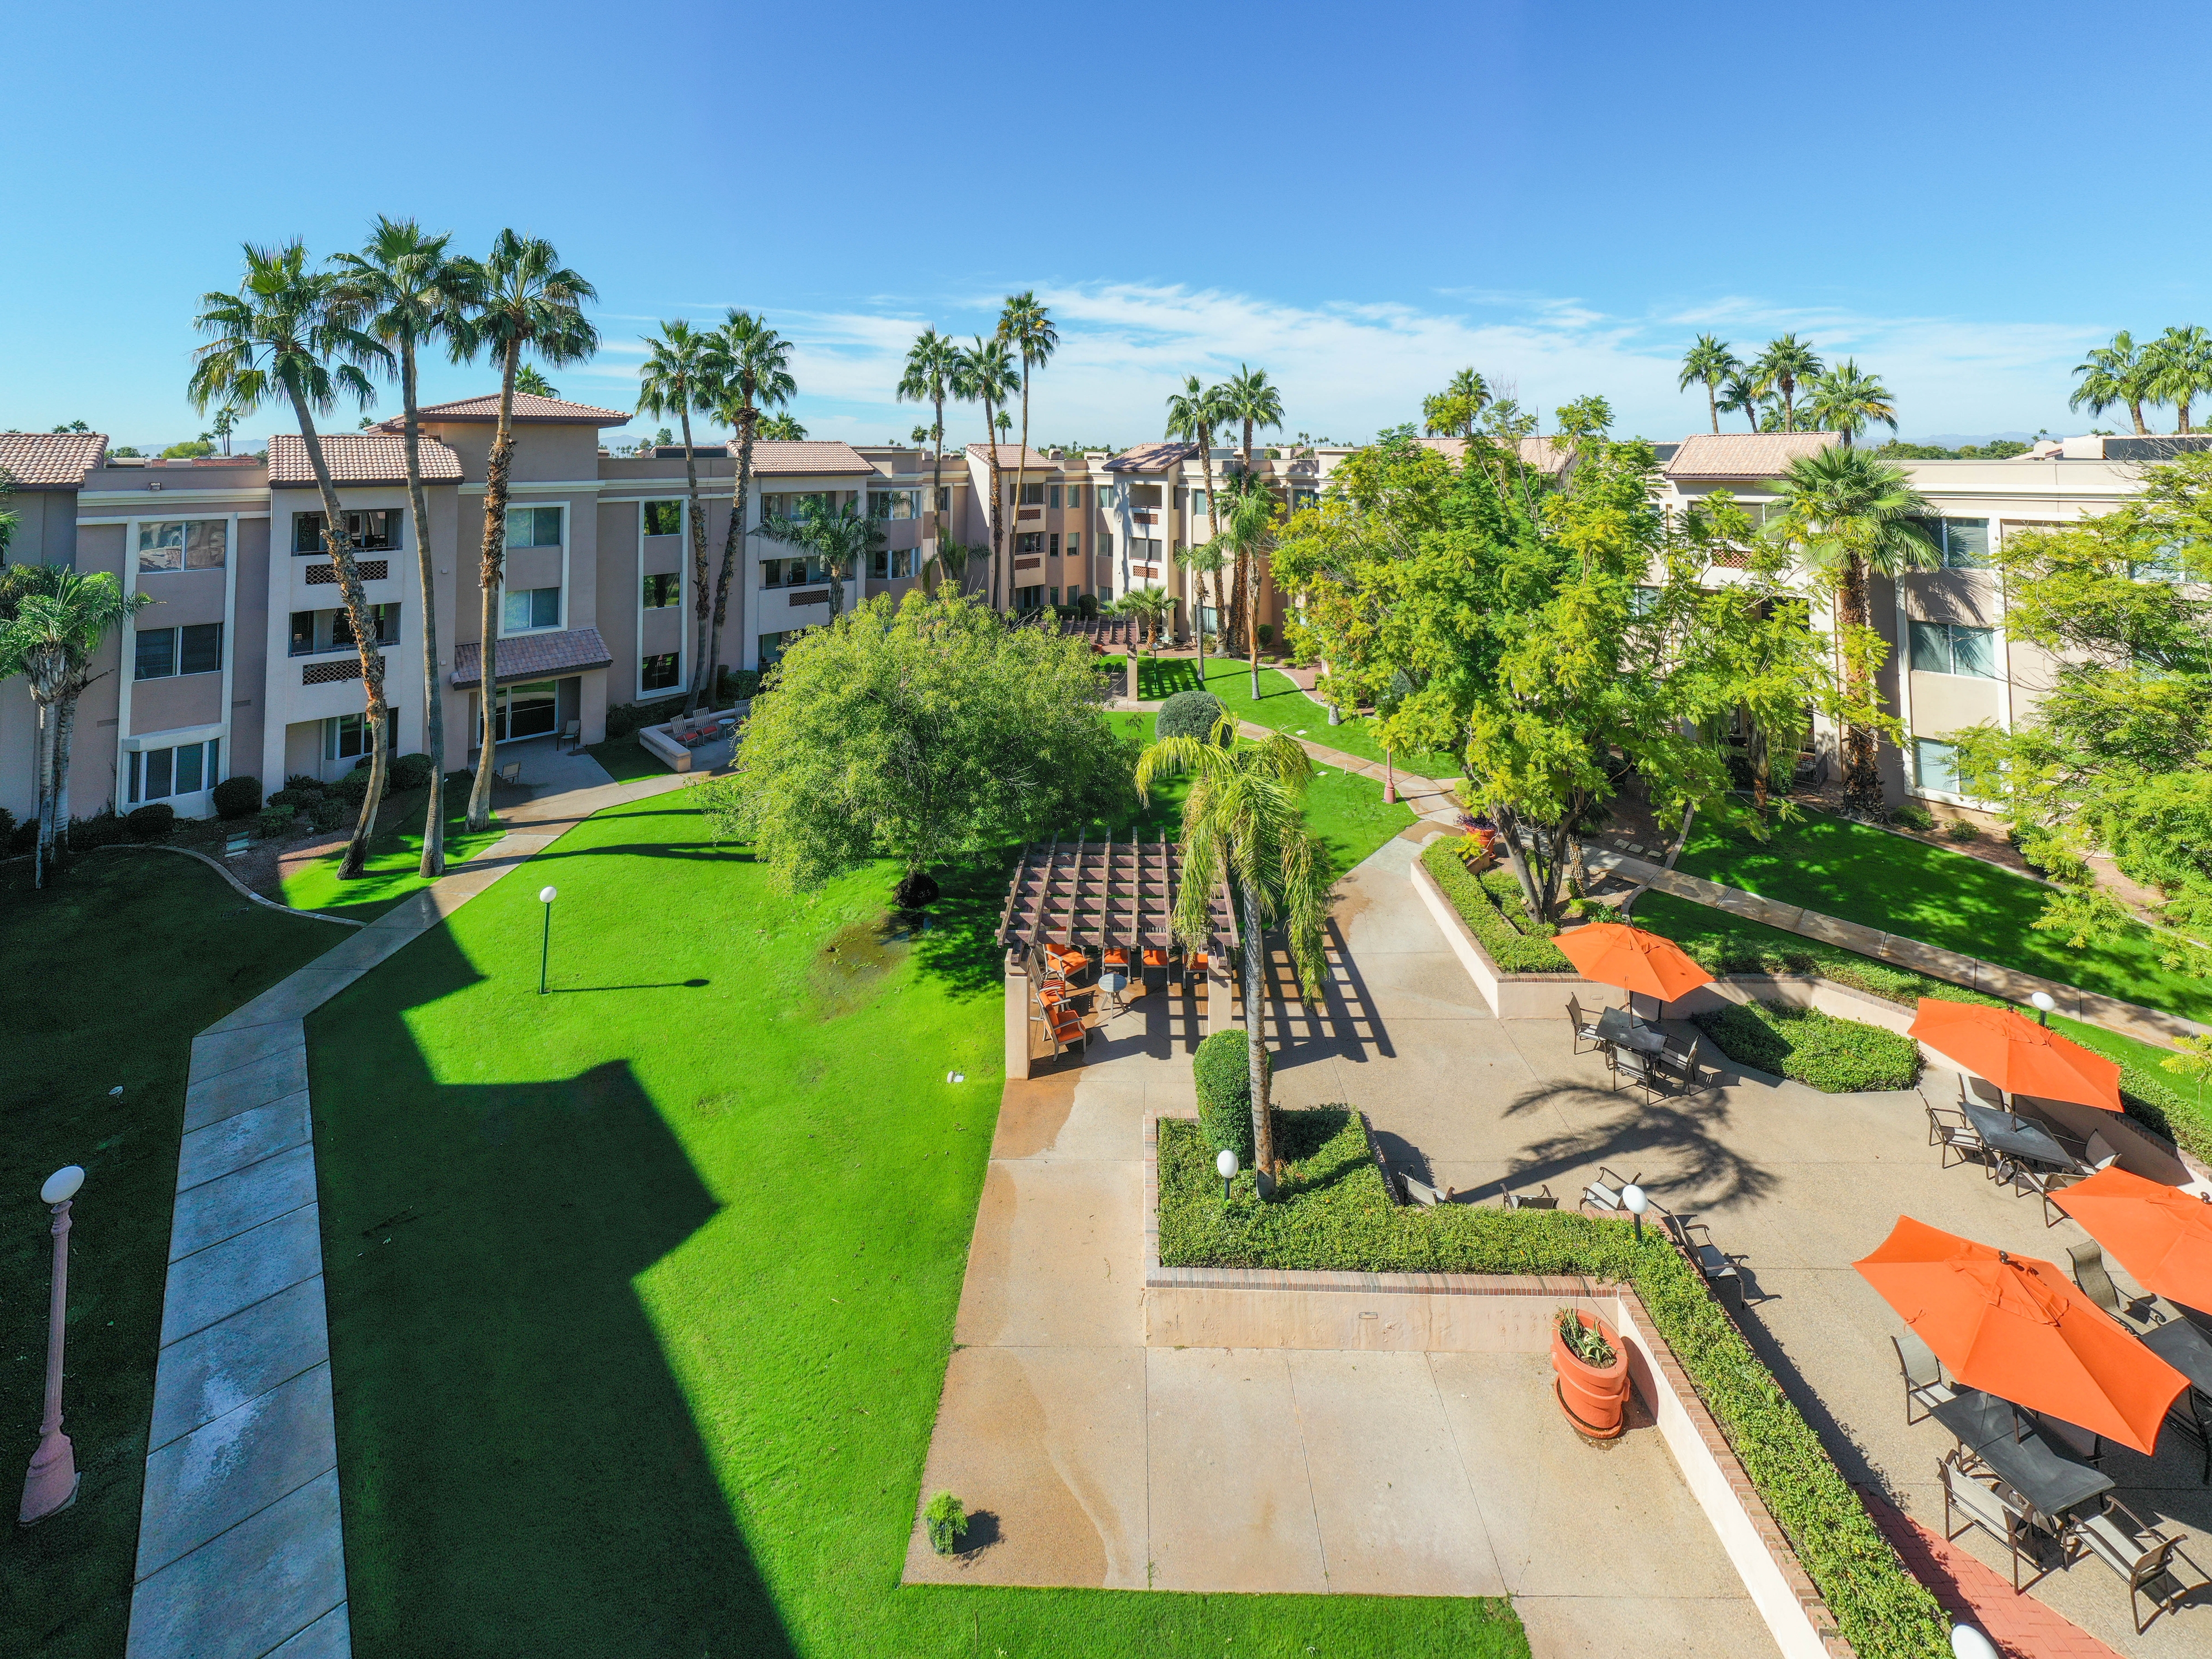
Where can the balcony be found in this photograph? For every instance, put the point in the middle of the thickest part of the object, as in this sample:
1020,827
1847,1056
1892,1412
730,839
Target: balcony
331,669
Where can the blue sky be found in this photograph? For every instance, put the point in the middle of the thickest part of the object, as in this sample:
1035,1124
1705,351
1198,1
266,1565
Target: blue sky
1361,200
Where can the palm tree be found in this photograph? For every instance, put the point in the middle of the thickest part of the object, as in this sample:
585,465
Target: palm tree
276,337
405,290
2180,362
1850,515
1193,415
2121,373
1246,538
1026,326
782,427
53,623
1247,397
984,373
1148,607
842,537
528,379
751,362
1848,400
1785,365
1204,559
1244,820
1710,362
1454,411
676,379
1741,393
530,301
931,362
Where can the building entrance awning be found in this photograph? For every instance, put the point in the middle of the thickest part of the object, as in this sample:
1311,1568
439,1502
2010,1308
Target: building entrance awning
533,657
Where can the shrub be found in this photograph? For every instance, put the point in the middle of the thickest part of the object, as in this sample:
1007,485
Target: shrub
1836,1056
102,828
328,812
627,719
157,821
1478,902
1961,829
302,783
274,823
411,772
1331,1213
1267,633
302,798
7,826
735,685
1191,714
24,837
1913,817
1222,1070
237,797
1086,606
352,788
947,1517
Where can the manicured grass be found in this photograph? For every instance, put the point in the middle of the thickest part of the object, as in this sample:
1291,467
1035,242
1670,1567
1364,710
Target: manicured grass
641,1293
394,868
1866,875
627,760
116,967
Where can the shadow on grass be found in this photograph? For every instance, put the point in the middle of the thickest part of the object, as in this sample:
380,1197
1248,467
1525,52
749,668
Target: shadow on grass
960,945
512,1483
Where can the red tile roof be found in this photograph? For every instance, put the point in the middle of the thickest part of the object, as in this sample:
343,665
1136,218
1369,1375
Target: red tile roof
534,656
1744,454
43,460
529,409
1152,457
360,457
1540,453
1013,455
785,457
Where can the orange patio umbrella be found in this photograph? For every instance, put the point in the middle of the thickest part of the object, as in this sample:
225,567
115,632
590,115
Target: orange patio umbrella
2012,1325
1613,953
2161,1234
2015,1052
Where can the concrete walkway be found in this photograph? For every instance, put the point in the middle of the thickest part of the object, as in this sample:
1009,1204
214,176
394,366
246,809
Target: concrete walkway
1098,1461
240,1548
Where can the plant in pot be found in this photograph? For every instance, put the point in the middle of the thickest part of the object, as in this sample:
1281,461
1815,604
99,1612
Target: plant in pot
1590,1374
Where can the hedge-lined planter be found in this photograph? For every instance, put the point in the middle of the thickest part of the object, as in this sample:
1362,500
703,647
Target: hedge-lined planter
1807,1046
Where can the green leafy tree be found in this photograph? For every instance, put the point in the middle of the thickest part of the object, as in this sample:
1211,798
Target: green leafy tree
527,301
1454,411
928,734
931,363
1709,363
985,374
52,621
1786,364
1243,820
2121,374
678,378
1848,400
1850,516
287,335
842,537
406,290
750,362
1025,327
1250,399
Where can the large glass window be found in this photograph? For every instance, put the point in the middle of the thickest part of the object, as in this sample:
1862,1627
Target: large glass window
528,711
156,650
316,631
1032,495
533,527
344,735
184,769
657,673
1954,648
374,530
1030,541
895,504
792,504
890,563
194,648
531,607
663,518
1964,544
1935,765
790,573
1075,494
183,544
1144,494
1075,543
663,588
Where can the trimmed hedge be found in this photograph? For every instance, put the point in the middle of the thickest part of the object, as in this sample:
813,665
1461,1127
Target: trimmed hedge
1836,1056
1509,936
155,822
1331,1213
237,797
1222,1069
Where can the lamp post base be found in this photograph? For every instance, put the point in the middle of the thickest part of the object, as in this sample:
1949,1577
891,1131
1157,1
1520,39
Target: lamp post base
51,1486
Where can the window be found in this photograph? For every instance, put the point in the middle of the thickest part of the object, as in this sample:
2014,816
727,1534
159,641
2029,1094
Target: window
1056,594
944,498
527,711
375,530
157,653
2164,565
196,648
1954,648
183,544
1964,543
1935,765
793,504
384,619
890,563
894,504
772,645
342,734
1197,503
1302,498
1028,598
658,673
533,527
1030,541
1052,499
1075,494
185,770
1075,543
1143,550
532,607
663,589
1144,494
1052,544
661,518
1032,495
790,573
1643,601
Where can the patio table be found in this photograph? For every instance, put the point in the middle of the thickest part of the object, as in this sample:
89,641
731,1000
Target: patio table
2183,1346
1988,1427
1618,1026
2014,1136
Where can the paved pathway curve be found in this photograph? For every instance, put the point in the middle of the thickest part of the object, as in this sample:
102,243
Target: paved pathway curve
240,1548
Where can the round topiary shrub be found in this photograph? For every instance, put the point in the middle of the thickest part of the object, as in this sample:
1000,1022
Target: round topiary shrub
328,812
411,772
1191,714
1222,1071
237,797
154,822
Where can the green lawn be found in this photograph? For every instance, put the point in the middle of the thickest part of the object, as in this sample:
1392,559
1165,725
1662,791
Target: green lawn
1281,706
626,759
1932,894
116,967
394,868
641,1293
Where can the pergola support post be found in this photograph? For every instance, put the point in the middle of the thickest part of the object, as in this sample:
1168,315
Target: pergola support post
1018,1016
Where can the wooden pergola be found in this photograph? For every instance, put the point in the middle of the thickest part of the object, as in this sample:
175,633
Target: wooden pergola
1103,895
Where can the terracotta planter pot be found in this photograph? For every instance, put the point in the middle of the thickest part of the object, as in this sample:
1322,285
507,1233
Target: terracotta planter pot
1594,1397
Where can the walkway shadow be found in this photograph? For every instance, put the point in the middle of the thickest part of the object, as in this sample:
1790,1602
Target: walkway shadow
518,1466
1681,1142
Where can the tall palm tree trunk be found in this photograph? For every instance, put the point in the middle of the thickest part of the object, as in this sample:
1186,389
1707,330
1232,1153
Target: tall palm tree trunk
42,847
1021,477
364,640
1213,529
733,543
936,476
1256,1032
2135,412
1713,407
434,694
696,523
64,730
997,520
489,567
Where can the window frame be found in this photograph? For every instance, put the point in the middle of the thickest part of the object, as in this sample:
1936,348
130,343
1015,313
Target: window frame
509,595
645,669
645,514
394,532
1949,633
669,584
559,528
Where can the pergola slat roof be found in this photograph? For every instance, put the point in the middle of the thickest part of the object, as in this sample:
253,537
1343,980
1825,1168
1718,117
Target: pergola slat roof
1095,894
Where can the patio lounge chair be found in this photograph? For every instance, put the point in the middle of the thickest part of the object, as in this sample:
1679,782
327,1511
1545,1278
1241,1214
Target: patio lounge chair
1678,1059
1605,1191
1584,1027
1541,1199
1925,1386
2087,1261
1949,1128
1419,1191
1714,1265
2140,1553
1992,1509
